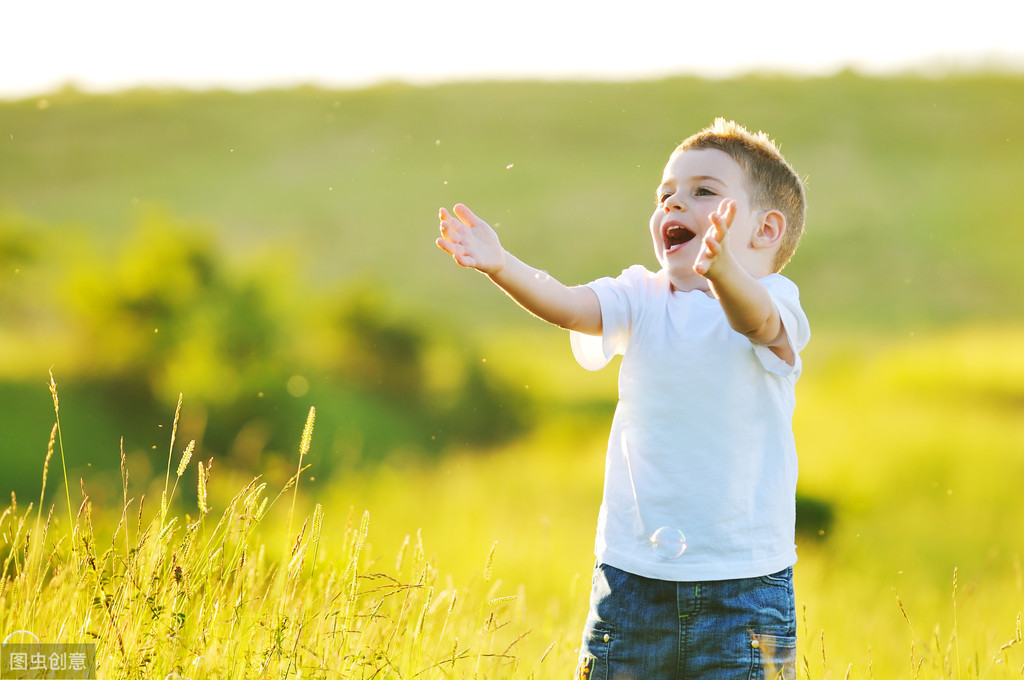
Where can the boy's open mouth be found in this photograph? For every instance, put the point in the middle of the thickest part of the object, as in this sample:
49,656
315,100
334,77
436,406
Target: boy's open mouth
676,236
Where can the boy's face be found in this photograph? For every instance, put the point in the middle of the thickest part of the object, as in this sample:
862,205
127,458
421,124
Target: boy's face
694,184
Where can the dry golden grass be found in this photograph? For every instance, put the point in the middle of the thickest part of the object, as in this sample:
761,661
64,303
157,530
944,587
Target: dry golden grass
206,597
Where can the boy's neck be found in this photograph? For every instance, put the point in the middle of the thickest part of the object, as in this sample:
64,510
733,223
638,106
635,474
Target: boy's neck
688,286
696,282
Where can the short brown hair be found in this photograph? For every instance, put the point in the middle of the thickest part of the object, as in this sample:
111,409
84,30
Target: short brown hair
774,185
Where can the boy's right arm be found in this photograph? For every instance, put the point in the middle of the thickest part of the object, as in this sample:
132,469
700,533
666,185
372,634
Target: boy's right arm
473,243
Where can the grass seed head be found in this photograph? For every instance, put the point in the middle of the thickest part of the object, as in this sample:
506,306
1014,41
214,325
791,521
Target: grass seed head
307,432
49,455
489,565
186,457
318,520
53,392
204,473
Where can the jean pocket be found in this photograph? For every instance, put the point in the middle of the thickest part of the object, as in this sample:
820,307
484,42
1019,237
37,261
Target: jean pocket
775,657
593,663
779,578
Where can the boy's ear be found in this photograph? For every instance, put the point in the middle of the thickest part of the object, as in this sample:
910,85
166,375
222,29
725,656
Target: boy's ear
770,230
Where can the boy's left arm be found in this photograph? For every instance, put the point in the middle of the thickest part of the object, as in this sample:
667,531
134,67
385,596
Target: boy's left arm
748,307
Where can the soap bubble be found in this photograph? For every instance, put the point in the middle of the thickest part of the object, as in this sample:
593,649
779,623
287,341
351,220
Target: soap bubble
668,543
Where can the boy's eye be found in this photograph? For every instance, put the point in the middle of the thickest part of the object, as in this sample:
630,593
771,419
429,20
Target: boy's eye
704,191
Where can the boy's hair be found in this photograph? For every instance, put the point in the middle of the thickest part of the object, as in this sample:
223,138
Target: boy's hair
774,185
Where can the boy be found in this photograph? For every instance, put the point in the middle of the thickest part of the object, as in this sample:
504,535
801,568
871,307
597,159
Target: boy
695,537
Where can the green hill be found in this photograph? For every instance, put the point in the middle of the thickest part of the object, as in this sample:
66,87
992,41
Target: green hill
911,179
264,252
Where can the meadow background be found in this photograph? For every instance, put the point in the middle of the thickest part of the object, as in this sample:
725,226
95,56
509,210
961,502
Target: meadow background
258,254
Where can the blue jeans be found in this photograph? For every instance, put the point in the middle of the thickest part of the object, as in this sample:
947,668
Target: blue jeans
644,629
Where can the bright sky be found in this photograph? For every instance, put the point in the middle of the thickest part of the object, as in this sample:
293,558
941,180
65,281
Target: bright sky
112,44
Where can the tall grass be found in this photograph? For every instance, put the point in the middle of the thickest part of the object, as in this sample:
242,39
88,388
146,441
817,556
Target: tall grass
914,442
282,584
205,596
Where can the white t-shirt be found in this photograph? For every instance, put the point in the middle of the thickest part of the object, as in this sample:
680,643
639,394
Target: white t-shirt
702,438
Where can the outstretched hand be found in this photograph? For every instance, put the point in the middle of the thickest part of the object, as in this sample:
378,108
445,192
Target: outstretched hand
713,250
470,241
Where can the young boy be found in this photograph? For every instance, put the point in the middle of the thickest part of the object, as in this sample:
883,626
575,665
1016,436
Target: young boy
695,536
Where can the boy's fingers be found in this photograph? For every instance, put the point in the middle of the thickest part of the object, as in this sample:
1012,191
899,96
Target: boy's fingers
722,218
726,208
716,233
449,226
465,215
445,245
457,252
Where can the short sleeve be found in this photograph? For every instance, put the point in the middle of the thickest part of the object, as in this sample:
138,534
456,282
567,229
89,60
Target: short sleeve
619,303
786,296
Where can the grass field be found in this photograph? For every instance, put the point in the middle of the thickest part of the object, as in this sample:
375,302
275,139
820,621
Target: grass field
477,565
264,253
917,444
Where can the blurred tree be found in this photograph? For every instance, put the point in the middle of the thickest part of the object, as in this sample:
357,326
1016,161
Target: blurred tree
384,353
378,354
163,314
168,316
486,410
